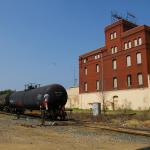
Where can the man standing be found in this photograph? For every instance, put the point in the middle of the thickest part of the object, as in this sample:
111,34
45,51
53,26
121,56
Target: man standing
44,108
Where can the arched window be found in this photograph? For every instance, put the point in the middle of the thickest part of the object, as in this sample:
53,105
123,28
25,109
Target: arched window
125,46
85,70
97,85
115,84
97,67
129,80
85,86
138,58
114,64
140,41
140,78
128,61
129,44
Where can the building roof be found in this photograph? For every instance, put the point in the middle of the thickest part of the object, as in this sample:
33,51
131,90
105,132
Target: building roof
96,51
135,29
121,21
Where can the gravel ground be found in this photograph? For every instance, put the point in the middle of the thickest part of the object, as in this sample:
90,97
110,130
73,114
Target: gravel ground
25,134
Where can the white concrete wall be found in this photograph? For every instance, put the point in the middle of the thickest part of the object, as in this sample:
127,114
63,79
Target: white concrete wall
137,99
73,98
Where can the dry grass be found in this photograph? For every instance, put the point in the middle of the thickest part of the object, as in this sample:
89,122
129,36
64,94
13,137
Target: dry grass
133,123
146,123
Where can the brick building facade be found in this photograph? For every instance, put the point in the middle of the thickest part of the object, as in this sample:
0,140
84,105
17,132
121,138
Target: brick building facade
122,64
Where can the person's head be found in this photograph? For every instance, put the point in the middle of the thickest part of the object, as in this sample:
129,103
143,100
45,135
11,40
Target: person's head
46,96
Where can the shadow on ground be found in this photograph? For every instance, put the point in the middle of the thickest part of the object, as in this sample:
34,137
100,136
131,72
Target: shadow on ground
145,148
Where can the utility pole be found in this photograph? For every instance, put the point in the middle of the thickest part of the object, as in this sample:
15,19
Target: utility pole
75,79
102,80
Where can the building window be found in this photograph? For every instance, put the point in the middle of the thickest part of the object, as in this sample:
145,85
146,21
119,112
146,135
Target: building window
116,49
84,60
138,58
115,84
128,61
140,41
125,46
135,42
114,63
85,87
129,81
140,79
130,44
111,36
112,50
96,56
85,70
97,68
97,85
115,35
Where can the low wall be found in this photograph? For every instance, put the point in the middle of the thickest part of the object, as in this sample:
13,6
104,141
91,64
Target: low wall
137,99
73,98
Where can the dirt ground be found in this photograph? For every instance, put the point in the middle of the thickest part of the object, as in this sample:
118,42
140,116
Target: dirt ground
26,134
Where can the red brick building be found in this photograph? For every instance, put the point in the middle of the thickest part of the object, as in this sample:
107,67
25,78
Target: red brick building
122,64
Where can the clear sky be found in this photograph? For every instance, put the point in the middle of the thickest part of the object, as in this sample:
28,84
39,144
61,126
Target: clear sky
41,40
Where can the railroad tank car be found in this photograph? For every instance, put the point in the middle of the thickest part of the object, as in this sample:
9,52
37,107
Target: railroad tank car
4,101
32,98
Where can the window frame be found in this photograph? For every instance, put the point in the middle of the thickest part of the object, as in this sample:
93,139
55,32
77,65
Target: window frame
85,60
111,36
97,68
139,58
85,71
140,79
135,42
129,44
115,82
139,41
114,64
85,87
97,85
115,49
115,35
128,61
125,45
129,80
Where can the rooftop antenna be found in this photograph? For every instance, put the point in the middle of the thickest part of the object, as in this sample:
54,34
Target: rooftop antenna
131,17
115,16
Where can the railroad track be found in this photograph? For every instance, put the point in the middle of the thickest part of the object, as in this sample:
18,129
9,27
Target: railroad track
21,115
118,129
89,125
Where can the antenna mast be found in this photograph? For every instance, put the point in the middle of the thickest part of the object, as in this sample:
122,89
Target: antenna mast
129,17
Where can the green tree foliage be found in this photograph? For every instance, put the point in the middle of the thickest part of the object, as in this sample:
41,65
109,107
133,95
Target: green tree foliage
6,92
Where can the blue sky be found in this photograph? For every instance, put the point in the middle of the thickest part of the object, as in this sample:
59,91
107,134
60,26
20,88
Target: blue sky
41,40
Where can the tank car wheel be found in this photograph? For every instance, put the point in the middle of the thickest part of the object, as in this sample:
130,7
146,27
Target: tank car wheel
1,108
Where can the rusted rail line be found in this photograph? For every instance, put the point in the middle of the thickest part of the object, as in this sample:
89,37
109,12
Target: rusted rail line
119,129
91,125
